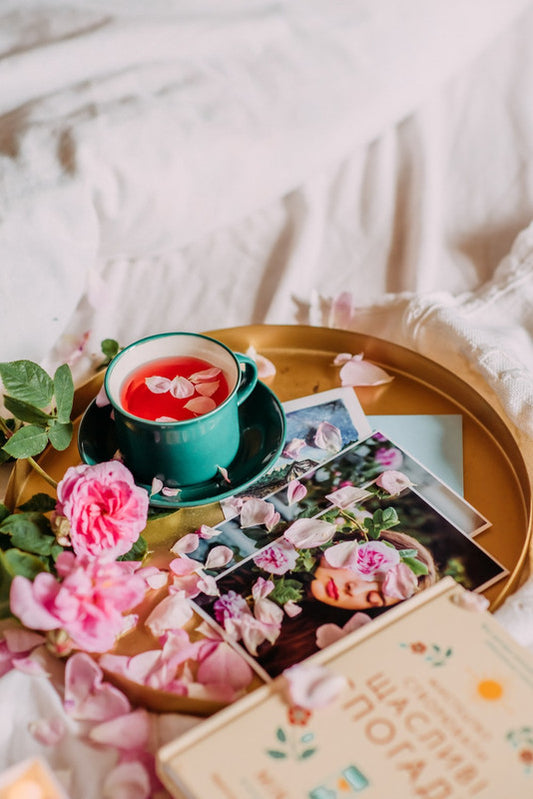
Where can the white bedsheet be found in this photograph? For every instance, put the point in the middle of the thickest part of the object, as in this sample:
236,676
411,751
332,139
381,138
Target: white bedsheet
202,164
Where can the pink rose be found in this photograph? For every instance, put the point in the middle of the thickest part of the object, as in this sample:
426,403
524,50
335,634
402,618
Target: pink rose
106,510
278,558
389,457
88,602
373,559
400,582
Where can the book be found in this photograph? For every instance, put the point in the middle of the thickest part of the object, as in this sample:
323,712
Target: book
437,703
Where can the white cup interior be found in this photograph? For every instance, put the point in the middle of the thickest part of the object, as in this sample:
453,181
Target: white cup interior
168,346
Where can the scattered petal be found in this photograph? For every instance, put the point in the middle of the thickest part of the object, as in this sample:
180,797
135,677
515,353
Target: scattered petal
170,492
292,609
307,533
127,781
207,389
205,376
206,532
47,731
265,367
347,496
218,557
328,437
200,405
208,585
156,486
185,544
344,357
21,640
157,385
469,600
400,582
393,482
166,419
222,665
87,696
30,666
358,372
257,511
224,472
180,387
172,613
296,491
130,731
293,448
313,686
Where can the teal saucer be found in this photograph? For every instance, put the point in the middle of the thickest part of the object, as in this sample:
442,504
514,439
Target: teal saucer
262,423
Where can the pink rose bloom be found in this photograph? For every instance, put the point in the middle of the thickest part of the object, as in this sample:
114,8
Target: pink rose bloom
278,558
373,559
400,582
88,603
389,457
106,510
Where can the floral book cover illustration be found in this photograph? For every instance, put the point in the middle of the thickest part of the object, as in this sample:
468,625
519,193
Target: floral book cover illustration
432,700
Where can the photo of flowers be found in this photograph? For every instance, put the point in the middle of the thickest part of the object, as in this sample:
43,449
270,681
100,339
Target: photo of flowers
335,548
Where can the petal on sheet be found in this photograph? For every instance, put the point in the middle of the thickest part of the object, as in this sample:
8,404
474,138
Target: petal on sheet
296,491
223,665
87,696
218,556
206,532
358,372
200,405
308,533
185,544
328,437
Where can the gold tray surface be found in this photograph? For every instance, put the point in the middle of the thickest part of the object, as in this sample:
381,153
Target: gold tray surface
496,480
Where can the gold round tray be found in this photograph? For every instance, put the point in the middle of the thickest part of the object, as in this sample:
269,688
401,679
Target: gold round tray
496,480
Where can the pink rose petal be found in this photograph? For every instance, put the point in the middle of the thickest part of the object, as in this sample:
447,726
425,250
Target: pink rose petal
172,613
207,532
393,482
200,405
346,496
265,367
130,731
328,437
185,544
127,781
20,640
87,696
207,389
205,376
47,731
180,387
469,600
31,666
157,384
257,511
358,372
313,686
222,665
296,491
219,556
307,533
293,448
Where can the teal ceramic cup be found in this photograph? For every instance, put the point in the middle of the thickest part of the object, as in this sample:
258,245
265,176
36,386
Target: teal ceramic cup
188,452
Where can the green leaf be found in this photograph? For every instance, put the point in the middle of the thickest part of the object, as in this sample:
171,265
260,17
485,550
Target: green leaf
22,563
25,411
27,381
41,503
110,348
4,512
307,753
26,442
137,552
286,590
29,532
276,754
280,734
416,566
60,434
64,393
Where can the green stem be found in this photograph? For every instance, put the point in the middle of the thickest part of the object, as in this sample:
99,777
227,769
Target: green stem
42,472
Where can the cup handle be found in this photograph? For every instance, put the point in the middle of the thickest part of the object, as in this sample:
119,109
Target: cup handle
248,369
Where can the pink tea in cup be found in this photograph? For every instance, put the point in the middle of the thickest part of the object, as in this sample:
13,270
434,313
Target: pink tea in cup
174,389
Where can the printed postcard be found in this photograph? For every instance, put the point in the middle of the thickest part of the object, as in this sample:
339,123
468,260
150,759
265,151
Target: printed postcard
336,548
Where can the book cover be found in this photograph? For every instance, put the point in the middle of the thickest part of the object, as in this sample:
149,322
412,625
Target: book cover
437,703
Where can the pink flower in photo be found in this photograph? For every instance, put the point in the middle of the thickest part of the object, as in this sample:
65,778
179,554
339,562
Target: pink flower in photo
370,560
388,457
393,482
230,606
278,558
400,582
88,603
106,510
